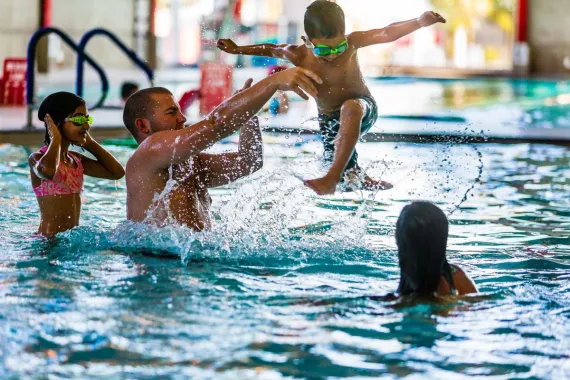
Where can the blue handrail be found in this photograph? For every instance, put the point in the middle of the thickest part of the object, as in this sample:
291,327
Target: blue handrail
31,74
129,52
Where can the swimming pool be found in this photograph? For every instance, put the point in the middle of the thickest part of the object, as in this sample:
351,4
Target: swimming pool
526,102
281,287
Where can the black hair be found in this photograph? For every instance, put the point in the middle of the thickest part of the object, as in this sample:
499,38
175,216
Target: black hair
59,106
141,105
421,236
127,89
324,19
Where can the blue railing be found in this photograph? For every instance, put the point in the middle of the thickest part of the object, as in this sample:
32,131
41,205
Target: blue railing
129,52
31,73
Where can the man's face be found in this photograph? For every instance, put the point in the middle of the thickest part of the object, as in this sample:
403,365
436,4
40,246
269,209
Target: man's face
330,42
167,115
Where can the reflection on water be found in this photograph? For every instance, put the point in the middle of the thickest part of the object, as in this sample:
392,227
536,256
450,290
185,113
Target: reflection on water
284,285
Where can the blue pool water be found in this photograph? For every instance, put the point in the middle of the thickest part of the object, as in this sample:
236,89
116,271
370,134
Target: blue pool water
282,286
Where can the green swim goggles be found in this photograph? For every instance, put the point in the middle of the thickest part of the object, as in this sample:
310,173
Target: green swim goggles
80,120
324,50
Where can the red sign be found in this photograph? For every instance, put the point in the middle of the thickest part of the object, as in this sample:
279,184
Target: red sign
215,86
14,82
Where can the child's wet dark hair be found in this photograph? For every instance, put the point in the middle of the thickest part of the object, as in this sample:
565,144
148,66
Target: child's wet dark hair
324,19
421,236
58,105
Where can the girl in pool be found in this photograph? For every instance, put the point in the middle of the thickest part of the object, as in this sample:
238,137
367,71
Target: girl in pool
57,173
421,236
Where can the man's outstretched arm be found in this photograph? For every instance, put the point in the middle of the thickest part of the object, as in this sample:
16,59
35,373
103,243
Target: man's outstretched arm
393,31
177,146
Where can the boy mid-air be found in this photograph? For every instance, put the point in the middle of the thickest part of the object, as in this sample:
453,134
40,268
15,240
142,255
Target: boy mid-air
346,107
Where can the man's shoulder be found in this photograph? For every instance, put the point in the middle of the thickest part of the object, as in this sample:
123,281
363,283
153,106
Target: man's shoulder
149,146
140,161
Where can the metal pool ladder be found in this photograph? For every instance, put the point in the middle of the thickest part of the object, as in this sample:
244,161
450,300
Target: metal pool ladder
82,57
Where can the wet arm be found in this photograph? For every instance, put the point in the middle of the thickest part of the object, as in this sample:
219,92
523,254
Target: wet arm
384,35
292,53
263,50
105,166
174,147
221,169
46,166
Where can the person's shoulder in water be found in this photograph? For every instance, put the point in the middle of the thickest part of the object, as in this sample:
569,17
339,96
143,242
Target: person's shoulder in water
463,284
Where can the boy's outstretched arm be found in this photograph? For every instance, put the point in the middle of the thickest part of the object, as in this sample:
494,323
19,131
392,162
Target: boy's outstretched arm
284,51
394,31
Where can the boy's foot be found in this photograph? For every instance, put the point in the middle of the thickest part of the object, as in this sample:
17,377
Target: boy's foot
322,186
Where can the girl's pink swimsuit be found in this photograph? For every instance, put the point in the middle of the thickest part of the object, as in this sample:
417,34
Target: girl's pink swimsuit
66,180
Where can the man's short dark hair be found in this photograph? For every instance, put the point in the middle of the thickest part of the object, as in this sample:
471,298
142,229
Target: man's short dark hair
141,105
127,89
324,19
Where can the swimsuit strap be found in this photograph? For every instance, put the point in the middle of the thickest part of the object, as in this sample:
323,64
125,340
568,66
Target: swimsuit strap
77,160
448,271
452,285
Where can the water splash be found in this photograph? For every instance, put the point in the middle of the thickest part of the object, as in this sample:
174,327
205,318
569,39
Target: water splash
475,182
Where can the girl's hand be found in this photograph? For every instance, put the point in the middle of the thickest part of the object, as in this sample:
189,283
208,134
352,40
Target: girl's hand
88,141
53,132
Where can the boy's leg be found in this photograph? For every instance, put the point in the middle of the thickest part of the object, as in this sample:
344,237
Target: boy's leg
353,175
351,115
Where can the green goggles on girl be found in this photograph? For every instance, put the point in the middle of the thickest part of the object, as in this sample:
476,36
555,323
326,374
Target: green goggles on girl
324,50
80,120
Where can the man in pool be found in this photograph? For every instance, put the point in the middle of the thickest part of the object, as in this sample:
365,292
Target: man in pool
168,175
346,107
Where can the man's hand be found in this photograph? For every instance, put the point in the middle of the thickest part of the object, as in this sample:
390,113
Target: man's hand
228,46
297,80
430,18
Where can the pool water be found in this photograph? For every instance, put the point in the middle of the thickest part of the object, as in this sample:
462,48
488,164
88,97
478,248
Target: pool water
284,285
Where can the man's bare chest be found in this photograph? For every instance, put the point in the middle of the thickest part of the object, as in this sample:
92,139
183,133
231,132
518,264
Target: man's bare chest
184,181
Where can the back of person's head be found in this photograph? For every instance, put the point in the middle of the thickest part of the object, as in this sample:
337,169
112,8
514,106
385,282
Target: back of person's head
141,105
59,106
324,19
127,89
421,236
